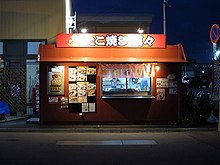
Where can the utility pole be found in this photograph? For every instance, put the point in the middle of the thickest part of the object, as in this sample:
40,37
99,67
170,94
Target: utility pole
214,37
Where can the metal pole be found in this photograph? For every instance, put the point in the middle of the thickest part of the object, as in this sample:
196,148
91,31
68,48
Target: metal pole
164,16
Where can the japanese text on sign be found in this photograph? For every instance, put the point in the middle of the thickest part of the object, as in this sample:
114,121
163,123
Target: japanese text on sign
111,40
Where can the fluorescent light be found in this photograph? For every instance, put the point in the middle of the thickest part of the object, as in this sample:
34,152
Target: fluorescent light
67,5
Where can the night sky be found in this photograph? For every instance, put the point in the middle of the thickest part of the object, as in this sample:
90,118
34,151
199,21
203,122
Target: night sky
188,21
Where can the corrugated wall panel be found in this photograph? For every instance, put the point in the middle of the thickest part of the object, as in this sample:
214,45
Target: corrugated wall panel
31,19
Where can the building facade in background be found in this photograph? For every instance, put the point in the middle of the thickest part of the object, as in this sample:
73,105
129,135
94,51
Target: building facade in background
27,23
24,25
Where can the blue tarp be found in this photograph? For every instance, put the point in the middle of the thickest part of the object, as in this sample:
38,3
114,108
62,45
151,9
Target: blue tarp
4,108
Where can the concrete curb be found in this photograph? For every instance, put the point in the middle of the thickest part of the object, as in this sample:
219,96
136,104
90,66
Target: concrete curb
104,130
32,125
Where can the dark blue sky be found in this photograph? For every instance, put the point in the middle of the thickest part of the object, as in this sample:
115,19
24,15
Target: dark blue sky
188,21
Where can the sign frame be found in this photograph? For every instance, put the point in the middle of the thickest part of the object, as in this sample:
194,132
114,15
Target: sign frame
110,40
214,33
55,80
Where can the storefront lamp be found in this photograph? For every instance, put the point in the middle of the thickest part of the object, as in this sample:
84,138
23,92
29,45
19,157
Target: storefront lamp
132,59
140,30
157,68
83,30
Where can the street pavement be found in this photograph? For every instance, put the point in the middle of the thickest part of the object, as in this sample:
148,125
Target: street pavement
142,148
23,142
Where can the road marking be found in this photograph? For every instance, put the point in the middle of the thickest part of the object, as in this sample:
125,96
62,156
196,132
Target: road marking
106,142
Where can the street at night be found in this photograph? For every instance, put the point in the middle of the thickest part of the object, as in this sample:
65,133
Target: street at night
109,82
182,148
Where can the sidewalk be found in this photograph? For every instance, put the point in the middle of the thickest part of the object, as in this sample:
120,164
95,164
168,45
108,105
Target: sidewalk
11,118
22,124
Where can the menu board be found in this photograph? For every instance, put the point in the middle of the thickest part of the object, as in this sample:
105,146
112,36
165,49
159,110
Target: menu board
82,89
55,80
162,83
64,102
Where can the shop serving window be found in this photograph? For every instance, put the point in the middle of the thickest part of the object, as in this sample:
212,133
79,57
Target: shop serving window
126,80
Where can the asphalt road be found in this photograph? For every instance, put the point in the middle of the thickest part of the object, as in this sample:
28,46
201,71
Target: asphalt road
165,148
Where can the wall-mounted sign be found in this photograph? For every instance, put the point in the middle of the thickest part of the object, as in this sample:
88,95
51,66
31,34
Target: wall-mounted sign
111,40
64,102
53,100
55,80
161,94
162,83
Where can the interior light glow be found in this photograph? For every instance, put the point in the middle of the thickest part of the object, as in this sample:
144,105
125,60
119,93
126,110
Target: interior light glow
217,54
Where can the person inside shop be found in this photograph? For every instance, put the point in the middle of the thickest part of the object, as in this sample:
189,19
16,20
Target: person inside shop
144,84
4,109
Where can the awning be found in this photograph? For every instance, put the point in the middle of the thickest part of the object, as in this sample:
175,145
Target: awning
174,53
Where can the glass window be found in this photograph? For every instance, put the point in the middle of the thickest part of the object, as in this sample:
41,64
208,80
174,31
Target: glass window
32,47
1,48
126,86
133,80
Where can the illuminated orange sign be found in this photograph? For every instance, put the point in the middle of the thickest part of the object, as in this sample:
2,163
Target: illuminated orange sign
111,40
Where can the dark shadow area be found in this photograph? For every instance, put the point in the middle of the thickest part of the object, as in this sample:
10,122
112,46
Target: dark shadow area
134,110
